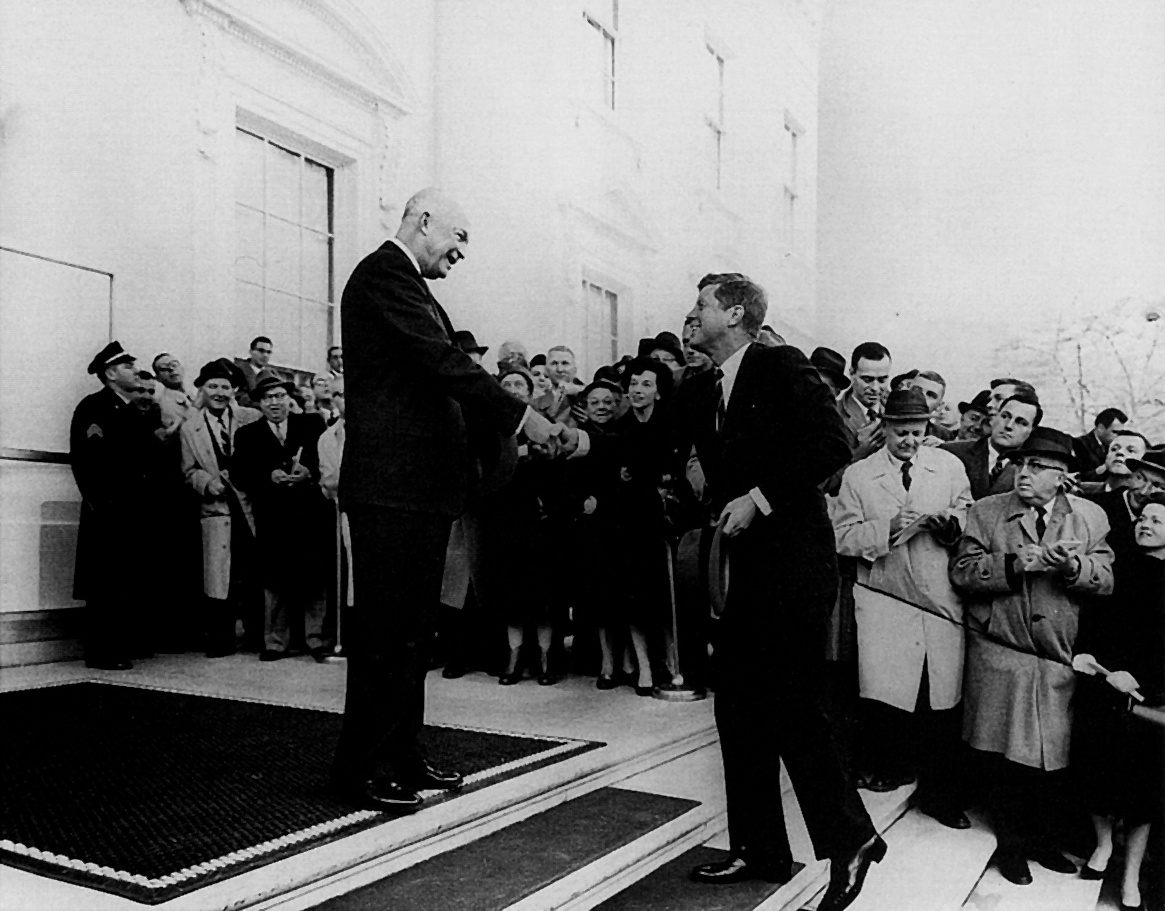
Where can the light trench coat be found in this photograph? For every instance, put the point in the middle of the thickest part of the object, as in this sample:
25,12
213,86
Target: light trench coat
1017,703
200,467
895,639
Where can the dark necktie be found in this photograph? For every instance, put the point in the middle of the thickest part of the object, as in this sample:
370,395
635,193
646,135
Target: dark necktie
906,476
1041,524
871,414
224,436
721,408
1000,464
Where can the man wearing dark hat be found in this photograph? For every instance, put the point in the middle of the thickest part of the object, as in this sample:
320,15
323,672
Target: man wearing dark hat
111,449
898,514
974,417
406,477
467,342
277,463
226,518
768,433
1123,505
1028,560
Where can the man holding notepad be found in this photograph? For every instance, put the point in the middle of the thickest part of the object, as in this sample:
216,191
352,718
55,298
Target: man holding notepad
899,512
277,464
1027,563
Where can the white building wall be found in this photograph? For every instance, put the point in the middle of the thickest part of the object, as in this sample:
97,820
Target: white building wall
118,154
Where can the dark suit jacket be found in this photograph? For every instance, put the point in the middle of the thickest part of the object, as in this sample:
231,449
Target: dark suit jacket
973,455
1090,455
407,390
782,434
1120,526
287,519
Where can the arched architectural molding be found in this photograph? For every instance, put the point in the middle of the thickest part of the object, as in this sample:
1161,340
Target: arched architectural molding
349,54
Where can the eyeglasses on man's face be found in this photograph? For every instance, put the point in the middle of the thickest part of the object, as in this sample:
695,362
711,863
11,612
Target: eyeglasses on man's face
1036,467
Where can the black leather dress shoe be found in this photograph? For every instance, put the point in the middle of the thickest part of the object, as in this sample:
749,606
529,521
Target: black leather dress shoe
453,670
606,682
270,654
380,794
510,679
547,679
427,777
880,784
1051,859
737,869
320,655
1014,869
951,817
1087,872
847,874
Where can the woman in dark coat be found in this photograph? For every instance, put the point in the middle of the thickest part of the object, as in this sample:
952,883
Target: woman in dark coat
1118,760
590,510
645,472
514,579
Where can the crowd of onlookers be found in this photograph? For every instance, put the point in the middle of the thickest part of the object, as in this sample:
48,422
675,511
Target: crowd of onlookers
1001,582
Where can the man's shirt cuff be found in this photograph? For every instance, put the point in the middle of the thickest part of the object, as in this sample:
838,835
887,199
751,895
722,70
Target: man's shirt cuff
584,445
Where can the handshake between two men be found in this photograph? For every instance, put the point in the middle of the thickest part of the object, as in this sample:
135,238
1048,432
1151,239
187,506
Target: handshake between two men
552,437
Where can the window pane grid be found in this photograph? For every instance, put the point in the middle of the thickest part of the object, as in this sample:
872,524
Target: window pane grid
285,246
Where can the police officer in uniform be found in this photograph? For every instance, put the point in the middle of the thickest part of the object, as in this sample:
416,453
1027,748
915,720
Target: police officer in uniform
109,448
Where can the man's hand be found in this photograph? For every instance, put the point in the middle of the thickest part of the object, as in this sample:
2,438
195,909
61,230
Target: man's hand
567,439
905,516
1085,664
538,429
740,513
1031,559
215,487
870,441
279,476
932,440
1123,682
590,504
298,475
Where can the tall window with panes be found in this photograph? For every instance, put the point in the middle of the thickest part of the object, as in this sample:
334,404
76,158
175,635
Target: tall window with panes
602,24
284,273
602,323
714,116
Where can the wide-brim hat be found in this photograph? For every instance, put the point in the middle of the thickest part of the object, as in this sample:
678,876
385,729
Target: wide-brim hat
978,403
906,405
832,364
1154,460
467,342
221,369
664,341
108,356
268,379
1047,441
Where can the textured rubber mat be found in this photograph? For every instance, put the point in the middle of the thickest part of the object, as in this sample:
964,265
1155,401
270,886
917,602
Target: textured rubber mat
506,866
150,794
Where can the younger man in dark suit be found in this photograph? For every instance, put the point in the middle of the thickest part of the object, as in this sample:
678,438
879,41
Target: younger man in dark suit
985,459
767,432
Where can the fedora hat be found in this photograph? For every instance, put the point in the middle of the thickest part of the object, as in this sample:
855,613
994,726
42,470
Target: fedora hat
906,405
268,379
467,342
831,363
664,341
221,369
978,403
1154,460
1047,441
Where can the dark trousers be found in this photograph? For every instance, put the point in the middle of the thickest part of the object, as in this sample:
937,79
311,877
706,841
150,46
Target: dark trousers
770,705
398,558
1023,804
927,741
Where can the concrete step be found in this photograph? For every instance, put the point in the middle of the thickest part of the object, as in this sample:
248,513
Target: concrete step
928,867
310,878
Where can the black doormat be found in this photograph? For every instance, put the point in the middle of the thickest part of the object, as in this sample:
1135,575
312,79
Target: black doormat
669,889
150,794
506,866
